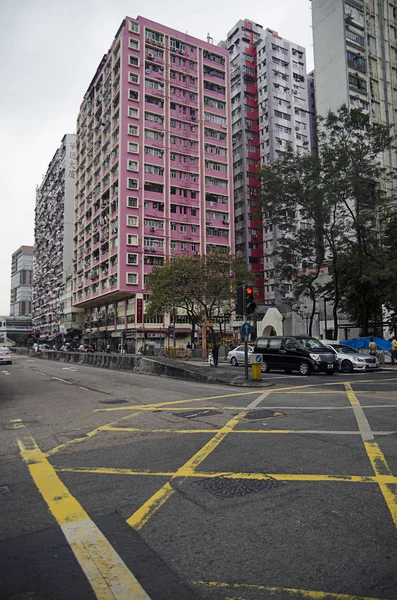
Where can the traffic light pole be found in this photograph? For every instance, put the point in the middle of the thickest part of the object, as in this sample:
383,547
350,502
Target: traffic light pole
245,339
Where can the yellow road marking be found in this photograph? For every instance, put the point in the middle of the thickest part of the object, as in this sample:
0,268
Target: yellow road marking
245,393
253,476
375,455
143,514
294,593
90,434
105,570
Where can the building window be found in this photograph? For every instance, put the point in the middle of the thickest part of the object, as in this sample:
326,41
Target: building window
132,240
132,259
132,202
154,151
133,27
133,147
132,184
183,228
133,44
133,61
132,278
173,226
132,165
133,77
133,130
183,245
133,95
132,221
133,112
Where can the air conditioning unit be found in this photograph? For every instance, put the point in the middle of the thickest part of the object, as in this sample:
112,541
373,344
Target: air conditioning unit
150,55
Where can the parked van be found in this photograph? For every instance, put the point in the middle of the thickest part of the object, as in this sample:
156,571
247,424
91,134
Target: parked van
299,353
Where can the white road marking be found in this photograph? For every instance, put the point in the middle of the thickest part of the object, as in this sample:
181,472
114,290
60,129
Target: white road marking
40,373
5,372
83,388
63,380
258,400
29,360
68,369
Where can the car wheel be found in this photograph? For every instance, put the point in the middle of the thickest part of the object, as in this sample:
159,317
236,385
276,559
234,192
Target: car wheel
346,366
304,368
264,367
233,361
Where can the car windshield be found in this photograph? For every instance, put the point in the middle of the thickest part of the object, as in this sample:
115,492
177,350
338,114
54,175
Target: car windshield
4,350
311,344
345,349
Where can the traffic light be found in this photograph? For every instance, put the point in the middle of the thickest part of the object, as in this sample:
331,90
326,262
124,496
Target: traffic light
37,333
240,301
250,304
29,334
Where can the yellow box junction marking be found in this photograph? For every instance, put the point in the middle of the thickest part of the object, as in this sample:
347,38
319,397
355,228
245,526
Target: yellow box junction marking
275,591
230,475
143,514
107,573
377,458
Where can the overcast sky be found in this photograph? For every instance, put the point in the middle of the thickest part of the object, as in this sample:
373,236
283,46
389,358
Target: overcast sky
49,53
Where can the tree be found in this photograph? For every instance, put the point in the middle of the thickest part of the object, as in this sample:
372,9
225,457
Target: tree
336,198
203,287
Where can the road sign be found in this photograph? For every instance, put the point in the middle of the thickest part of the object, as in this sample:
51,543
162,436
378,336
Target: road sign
258,358
246,329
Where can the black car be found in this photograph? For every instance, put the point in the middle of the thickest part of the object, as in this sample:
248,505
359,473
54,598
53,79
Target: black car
298,353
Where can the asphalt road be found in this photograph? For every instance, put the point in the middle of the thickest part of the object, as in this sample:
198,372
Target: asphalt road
129,487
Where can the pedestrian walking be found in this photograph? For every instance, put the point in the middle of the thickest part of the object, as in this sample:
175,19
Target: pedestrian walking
108,348
215,354
393,351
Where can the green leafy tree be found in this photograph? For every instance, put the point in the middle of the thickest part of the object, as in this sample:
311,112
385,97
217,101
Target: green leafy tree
336,196
203,287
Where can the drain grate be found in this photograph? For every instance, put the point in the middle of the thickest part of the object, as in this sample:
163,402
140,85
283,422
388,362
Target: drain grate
113,401
262,414
226,488
189,414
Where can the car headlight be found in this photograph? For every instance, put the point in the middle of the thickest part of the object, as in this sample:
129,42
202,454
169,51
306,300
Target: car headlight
360,360
315,357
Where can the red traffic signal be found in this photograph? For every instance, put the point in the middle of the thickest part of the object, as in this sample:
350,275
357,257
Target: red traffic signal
37,333
29,334
250,304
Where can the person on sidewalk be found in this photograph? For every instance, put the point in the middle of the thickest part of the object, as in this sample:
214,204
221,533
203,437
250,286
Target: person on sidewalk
215,354
393,351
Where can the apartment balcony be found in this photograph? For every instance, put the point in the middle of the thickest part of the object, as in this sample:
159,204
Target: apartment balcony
154,108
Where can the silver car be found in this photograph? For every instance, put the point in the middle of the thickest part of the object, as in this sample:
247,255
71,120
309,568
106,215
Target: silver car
236,356
350,359
5,355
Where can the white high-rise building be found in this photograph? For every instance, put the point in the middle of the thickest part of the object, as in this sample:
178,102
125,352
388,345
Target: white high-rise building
270,110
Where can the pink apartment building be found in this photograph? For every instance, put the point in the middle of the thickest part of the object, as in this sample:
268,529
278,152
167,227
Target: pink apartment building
153,175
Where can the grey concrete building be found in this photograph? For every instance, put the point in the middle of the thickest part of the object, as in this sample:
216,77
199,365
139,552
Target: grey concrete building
355,58
21,282
53,260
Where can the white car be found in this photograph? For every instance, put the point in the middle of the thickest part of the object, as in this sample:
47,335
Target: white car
5,355
236,356
350,359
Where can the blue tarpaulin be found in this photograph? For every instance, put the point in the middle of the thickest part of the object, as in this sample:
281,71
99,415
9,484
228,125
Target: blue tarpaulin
358,343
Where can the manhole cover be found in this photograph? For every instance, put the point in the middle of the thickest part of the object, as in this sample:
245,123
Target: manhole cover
193,414
225,488
4,489
113,401
262,414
